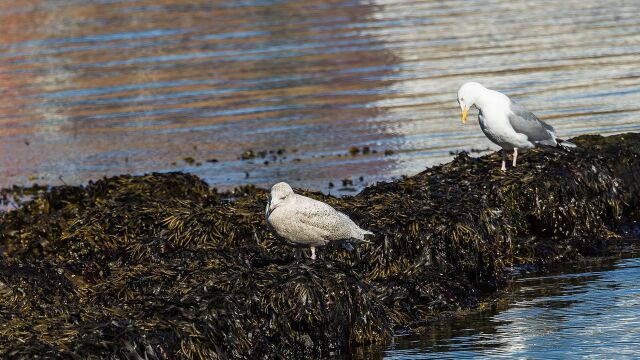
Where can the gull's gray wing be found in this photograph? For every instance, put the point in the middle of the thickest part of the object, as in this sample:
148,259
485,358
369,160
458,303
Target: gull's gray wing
525,122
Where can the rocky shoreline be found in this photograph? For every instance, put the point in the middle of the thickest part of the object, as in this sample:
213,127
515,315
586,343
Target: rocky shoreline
162,266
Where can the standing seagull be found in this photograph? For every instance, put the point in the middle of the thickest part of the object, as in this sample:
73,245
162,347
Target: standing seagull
306,222
506,123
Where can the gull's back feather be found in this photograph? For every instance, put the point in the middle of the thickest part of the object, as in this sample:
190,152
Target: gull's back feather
334,224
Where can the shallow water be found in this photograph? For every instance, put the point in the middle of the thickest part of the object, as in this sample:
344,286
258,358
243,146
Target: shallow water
102,87
589,314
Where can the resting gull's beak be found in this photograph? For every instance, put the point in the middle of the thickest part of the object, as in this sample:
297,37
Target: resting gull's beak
268,209
463,115
270,206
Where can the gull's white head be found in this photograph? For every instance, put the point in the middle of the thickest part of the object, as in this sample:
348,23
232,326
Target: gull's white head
468,97
279,193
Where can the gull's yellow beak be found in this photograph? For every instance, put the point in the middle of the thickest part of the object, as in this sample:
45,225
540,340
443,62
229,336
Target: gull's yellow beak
463,115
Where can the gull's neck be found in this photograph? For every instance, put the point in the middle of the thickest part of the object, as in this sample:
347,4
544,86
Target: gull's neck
485,98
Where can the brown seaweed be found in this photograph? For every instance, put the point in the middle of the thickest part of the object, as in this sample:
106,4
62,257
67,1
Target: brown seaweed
161,266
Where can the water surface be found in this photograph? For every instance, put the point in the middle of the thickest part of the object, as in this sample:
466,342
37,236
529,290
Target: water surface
591,314
102,87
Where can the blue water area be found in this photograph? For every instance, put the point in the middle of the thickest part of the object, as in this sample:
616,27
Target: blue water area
104,87
590,314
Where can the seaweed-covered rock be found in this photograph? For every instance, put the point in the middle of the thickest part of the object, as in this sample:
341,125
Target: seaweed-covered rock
161,266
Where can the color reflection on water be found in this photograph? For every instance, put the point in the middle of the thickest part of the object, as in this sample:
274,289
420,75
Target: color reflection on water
96,88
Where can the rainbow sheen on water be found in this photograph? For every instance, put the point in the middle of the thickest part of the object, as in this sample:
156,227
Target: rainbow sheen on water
97,88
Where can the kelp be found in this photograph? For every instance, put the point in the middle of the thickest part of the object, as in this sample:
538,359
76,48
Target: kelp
162,266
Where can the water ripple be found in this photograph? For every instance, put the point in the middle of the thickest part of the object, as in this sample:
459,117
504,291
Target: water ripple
98,87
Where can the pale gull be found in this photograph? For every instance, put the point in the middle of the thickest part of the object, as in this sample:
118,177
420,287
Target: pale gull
506,123
305,222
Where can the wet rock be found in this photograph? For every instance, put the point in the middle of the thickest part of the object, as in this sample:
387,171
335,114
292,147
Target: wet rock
249,154
263,154
189,160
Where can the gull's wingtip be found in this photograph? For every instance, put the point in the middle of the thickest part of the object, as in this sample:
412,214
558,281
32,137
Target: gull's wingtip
566,143
364,233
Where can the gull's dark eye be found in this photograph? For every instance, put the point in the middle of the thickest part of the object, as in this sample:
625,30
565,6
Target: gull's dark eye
461,99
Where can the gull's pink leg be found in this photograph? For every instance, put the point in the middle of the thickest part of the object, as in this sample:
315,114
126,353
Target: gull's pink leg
313,253
515,156
504,160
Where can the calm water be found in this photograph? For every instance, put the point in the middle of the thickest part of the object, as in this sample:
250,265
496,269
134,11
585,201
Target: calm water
592,314
102,87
